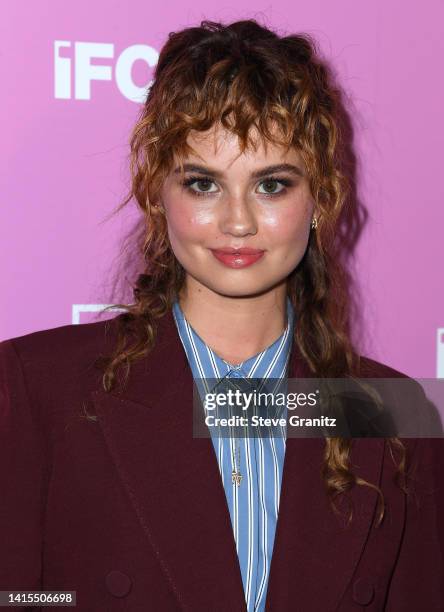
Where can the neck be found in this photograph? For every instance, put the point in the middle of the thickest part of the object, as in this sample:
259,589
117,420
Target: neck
236,328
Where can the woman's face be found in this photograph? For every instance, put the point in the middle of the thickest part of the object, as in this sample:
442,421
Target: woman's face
258,200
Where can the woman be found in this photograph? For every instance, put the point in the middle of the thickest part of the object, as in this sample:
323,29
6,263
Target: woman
237,167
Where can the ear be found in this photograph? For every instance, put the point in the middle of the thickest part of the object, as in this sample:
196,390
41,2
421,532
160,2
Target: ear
158,205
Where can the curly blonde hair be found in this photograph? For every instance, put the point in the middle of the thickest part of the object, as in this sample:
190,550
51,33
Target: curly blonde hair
246,78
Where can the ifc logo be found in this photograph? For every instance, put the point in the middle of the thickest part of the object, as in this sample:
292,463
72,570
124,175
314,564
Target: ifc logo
76,65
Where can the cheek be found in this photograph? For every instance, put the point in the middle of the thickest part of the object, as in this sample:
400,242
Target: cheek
200,216
190,221
289,223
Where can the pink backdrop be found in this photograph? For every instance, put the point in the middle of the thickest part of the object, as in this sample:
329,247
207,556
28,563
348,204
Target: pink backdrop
64,148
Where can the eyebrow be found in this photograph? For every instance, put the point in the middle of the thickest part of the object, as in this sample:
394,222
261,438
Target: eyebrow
257,174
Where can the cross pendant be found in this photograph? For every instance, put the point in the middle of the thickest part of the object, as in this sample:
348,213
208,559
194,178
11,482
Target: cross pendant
236,477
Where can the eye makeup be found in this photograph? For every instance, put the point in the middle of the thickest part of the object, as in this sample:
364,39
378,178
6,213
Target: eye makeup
284,182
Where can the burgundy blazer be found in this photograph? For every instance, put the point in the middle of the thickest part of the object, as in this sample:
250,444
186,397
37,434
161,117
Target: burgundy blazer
111,496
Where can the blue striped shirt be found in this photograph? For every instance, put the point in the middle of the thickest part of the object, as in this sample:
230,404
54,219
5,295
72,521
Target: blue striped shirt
254,504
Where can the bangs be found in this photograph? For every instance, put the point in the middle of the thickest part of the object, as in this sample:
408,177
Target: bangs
236,100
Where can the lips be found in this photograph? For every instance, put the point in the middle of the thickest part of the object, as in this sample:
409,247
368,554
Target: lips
241,251
237,258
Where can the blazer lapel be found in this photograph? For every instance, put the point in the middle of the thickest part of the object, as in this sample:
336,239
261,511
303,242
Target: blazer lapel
173,482
171,478
315,553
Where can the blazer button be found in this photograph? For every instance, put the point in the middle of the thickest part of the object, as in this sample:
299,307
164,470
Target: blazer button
363,591
118,583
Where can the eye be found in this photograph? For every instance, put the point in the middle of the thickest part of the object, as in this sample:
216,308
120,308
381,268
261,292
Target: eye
273,186
203,184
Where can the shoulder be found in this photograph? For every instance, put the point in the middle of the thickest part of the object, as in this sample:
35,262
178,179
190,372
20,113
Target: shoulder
372,368
424,445
59,345
70,352
408,410
56,362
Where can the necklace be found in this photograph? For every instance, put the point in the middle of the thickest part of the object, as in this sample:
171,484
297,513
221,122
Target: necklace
236,476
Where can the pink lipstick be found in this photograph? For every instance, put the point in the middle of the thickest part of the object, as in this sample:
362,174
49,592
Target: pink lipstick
237,258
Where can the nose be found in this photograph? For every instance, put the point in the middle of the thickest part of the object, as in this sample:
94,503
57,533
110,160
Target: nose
238,217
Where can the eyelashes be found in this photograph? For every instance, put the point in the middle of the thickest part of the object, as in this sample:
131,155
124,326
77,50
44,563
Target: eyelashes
284,182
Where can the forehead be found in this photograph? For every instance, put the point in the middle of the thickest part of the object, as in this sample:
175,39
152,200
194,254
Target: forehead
224,148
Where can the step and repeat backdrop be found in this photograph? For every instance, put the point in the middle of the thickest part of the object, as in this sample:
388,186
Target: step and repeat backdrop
74,75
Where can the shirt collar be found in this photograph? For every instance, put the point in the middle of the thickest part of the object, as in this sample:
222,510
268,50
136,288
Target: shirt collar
272,362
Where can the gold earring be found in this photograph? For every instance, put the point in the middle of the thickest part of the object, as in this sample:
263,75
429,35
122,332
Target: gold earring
314,223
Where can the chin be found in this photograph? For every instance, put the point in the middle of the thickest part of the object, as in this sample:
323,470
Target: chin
238,287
